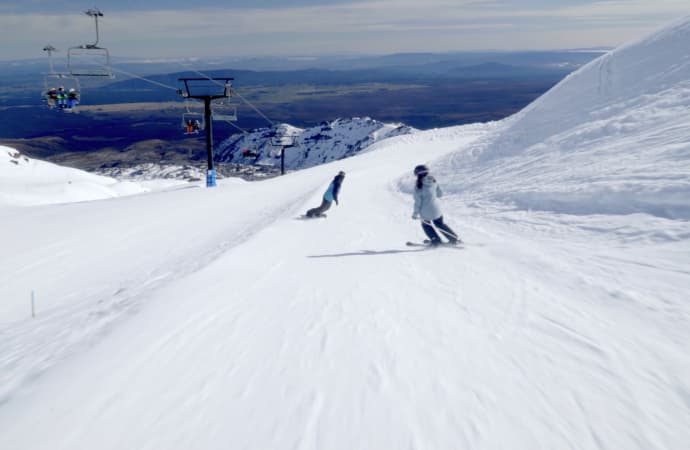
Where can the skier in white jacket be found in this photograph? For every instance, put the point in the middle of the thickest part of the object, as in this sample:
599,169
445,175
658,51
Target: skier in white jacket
427,208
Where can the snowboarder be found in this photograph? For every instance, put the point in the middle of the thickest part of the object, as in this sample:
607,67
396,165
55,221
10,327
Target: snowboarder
426,207
330,196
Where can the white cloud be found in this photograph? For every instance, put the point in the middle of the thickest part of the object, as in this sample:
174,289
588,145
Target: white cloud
398,25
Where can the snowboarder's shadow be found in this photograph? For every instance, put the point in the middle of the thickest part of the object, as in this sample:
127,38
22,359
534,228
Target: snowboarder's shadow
367,253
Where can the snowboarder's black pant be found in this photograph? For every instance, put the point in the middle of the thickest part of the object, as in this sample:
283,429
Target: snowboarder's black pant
325,205
445,230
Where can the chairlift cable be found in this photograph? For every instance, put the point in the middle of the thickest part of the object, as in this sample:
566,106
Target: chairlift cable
245,132
254,108
145,79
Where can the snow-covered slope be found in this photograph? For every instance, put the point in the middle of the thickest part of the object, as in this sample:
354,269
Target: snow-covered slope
327,142
25,181
216,318
153,171
620,123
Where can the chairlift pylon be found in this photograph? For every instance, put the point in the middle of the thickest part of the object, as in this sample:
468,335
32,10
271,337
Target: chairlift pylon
90,60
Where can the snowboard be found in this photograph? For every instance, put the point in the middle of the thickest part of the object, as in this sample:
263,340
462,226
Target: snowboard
305,217
426,243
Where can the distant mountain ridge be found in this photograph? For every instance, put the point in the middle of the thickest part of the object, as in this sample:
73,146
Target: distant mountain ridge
309,147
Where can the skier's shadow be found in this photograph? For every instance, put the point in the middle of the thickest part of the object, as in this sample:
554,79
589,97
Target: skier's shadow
367,253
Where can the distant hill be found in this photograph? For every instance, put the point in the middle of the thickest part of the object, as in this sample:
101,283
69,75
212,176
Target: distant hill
309,147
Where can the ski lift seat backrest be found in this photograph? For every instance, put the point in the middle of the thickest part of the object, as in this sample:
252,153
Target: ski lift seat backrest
89,61
55,80
227,116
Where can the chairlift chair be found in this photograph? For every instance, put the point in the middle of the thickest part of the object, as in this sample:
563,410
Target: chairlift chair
225,110
55,80
193,118
231,117
90,60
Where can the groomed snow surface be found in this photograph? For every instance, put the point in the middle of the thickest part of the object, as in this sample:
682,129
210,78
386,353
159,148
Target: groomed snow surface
217,319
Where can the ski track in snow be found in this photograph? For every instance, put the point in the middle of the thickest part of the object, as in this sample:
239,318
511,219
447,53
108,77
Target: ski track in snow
57,334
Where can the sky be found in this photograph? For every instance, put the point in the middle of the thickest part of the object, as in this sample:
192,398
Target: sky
177,28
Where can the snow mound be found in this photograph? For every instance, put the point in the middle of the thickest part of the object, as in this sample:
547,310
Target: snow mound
25,181
611,138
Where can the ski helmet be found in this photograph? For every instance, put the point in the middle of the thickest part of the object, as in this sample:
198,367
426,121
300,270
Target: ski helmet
421,170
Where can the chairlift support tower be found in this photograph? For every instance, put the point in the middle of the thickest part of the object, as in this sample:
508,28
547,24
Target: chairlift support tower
207,89
283,142
50,49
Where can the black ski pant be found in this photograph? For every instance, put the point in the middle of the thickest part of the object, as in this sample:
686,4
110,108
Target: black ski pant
325,205
445,230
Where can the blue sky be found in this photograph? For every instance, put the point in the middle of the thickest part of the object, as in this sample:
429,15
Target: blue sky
177,28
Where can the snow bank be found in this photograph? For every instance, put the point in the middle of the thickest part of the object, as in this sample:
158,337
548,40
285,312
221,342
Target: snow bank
25,181
613,138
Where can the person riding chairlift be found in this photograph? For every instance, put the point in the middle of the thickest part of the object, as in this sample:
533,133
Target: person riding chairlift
51,97
72,98
61,97
192,127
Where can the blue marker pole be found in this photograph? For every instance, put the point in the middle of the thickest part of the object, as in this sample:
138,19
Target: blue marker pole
211,172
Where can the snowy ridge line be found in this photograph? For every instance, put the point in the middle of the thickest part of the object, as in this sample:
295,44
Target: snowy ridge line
617,148
57,335
330,141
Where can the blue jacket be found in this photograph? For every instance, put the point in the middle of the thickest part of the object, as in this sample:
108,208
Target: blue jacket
331,193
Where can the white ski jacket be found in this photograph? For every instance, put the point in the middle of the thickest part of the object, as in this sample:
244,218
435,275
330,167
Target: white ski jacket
425,199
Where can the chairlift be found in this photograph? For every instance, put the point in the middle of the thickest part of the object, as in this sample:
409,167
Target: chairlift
90,60
283,141
224,109
61,91
193,123
249,153
57,87
231,117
